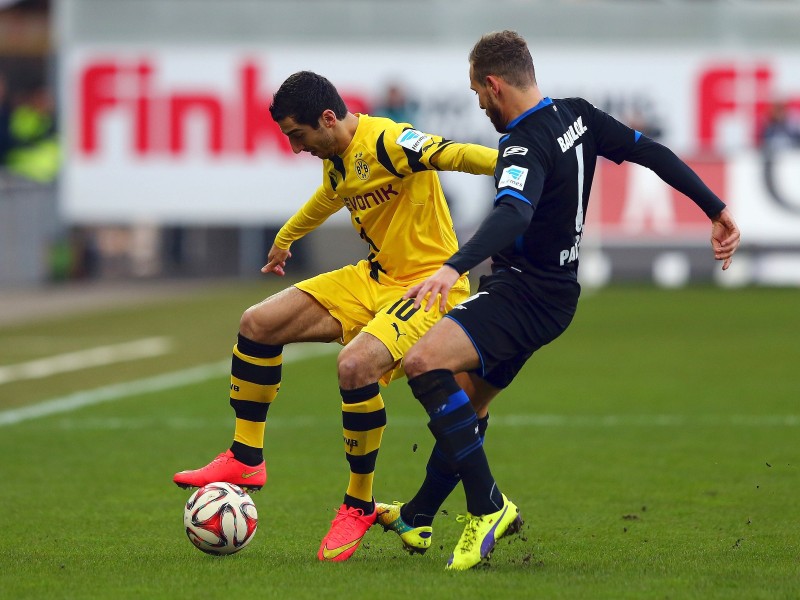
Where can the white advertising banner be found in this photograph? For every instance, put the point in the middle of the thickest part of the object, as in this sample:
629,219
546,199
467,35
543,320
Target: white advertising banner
767,197
182,134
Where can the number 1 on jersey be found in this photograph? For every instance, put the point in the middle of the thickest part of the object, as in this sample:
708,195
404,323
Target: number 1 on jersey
579,214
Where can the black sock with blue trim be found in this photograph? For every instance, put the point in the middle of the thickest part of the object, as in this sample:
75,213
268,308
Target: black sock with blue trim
455,426
440,481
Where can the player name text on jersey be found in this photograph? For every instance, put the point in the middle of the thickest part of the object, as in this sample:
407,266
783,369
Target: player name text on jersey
576,130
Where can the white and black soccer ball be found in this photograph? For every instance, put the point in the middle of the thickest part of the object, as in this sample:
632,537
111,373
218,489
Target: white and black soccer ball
220,518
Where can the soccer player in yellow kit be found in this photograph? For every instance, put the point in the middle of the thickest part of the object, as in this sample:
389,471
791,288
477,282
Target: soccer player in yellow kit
385,174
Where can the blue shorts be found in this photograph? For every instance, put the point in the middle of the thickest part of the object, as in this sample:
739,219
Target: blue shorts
509,319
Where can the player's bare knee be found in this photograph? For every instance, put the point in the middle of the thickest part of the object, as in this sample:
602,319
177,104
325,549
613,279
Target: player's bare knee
251,327
416,362
247,324
352,371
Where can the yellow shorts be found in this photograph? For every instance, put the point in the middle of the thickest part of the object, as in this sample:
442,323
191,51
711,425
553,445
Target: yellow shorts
360,303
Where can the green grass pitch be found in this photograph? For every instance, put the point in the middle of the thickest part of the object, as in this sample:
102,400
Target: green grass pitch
653,450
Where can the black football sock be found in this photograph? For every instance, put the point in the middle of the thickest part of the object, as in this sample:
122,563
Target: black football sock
440,481
247,454
455,426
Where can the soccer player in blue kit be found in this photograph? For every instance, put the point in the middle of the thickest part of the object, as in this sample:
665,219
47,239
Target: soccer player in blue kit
546,163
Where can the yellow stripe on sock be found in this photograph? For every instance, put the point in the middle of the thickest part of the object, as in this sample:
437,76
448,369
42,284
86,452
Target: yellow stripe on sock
360,486
273,361
253,392
250,433
359,443
367,406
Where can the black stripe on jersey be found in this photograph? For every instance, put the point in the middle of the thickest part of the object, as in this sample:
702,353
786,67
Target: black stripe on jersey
442,145
338,164
413,161
413,158
255,373
383,156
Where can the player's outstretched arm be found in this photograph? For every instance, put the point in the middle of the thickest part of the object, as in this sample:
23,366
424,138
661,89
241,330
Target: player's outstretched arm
725,237
676,173
466,158
438,284
276,261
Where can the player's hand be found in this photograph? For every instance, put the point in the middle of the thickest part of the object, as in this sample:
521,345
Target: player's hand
276,261
724,237
438,284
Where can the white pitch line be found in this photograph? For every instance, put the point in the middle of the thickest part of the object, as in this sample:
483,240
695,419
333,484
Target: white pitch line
532,421
84,359
157,383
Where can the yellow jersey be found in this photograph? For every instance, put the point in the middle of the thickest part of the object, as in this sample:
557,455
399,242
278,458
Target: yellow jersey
387,178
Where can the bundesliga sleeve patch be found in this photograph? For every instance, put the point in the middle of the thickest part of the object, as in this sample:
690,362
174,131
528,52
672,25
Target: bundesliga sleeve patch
513,177
412,139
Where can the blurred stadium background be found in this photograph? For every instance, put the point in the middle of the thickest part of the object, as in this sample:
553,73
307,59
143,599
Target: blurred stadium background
142,148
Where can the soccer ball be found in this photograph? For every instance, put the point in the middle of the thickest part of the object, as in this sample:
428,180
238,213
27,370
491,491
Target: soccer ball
220,518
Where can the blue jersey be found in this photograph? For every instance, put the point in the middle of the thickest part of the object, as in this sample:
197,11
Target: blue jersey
544,174
545,167
547,159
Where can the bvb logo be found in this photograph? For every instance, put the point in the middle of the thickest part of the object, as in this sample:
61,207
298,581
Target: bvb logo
362,169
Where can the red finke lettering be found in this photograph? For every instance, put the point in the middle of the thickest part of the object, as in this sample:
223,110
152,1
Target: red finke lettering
159,118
